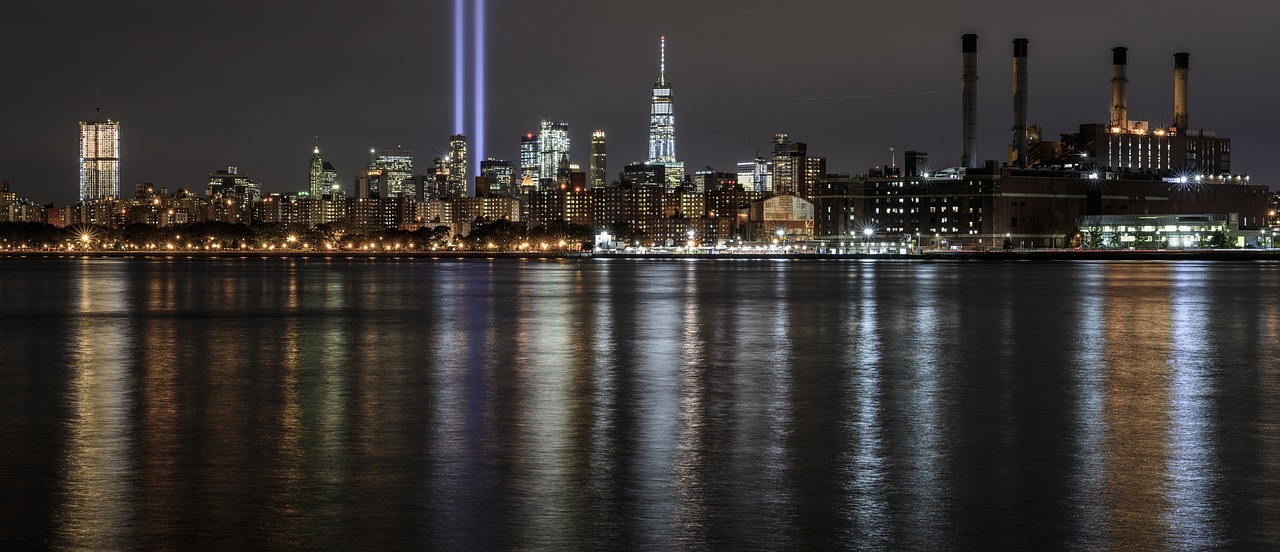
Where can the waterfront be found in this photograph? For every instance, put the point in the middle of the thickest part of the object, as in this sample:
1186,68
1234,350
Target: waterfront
619,403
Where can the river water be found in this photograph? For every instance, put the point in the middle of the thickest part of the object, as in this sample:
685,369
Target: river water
638,404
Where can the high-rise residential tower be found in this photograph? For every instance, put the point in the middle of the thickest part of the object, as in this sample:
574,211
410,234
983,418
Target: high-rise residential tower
99,159
662,124
457,161
599,168
553,151
783,170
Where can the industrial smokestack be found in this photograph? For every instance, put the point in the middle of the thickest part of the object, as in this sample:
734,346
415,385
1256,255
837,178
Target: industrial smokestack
1119,96
969,93
1181,64
1020,100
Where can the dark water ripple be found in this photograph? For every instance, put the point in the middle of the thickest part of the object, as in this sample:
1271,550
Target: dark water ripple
486,405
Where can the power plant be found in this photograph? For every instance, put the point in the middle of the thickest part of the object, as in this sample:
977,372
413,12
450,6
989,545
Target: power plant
1143,184
1119,84
1122,144
1020,101
969,97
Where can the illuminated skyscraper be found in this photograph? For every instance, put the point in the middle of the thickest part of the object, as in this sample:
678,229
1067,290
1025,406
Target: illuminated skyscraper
457,161
99,159
599,168
233,183
553,151
398,172
499,177
783,170
662,124
756,175
323,178
314,175
530,161
794,171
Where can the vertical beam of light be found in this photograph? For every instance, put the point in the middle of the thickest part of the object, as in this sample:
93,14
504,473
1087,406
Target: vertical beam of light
459,69
478,36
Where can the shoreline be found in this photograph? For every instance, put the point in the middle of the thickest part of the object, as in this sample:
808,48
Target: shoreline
1000,255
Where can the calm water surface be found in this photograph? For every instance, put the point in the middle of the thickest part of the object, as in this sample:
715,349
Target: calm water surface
617,404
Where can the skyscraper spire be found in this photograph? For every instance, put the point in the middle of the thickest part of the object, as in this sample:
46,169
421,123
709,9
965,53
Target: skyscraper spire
662,124
662,61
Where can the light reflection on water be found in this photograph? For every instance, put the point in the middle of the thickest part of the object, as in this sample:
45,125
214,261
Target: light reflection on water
98,504
652,405
866,470
1136,387
1088,362
1192,473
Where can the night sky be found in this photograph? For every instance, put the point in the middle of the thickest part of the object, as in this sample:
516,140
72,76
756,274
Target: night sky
201,85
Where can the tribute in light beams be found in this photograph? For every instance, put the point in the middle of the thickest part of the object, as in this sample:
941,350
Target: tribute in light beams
478,154
460,76
459,69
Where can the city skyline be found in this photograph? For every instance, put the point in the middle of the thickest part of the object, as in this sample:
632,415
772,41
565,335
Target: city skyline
836,97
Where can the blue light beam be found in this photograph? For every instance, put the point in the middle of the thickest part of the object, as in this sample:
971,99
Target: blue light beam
479,86
459,68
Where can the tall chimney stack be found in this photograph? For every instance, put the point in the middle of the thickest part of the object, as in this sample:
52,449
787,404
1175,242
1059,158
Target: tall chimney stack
969,95
1020,100
1181,63
1119,80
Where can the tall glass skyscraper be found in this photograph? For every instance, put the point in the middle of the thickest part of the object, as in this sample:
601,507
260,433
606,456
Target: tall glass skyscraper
553,151
398,167
530,161
662,124
599,168
99,159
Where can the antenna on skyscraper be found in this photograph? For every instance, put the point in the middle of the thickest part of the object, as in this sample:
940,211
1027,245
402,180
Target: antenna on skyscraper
97,102
662,61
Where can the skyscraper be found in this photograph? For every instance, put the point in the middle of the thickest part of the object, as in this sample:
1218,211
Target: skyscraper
599,168
329,181
457,160
323,178
756,175
530,161
794,171
99,159
662,124
499,176
397,167
783,170
315,187
233,183
553,151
